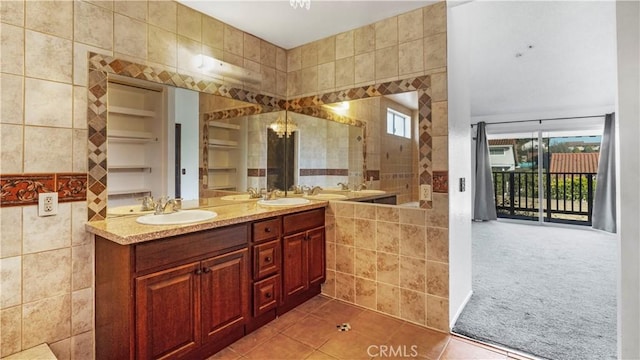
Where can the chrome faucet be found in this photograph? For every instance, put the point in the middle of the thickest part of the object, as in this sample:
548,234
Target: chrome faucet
147,203
297,189
315,190
164,205
254,193
362,186
343,186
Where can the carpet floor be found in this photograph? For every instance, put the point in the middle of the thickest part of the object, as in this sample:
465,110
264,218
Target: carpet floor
546,291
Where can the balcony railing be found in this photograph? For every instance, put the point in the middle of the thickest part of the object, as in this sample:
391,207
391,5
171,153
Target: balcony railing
567,197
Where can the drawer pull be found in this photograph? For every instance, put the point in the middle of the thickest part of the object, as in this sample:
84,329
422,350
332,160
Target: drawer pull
267,259
268,230
207,270
198,271
267,295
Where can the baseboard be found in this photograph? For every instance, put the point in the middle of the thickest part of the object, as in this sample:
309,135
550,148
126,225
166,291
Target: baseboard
464,303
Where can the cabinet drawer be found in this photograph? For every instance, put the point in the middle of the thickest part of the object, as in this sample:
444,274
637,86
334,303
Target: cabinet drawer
265,230
303,221
266,259
266,294
158,253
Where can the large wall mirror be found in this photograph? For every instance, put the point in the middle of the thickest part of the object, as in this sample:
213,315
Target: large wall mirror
212,145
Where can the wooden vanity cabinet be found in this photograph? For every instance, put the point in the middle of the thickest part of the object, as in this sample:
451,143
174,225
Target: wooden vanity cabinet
303,257
184,296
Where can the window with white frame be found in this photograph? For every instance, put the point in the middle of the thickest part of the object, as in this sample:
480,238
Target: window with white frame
398,124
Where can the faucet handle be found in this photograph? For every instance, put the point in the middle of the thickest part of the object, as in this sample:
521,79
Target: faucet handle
343,186
147,203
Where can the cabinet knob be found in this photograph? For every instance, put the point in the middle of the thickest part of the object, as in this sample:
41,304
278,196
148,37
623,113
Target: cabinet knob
206,270
267,295
268,230
267,259
198,271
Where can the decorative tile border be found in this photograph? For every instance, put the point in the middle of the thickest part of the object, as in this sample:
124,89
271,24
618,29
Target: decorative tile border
23,189
329,172
257,172
100,67
238,112
441,182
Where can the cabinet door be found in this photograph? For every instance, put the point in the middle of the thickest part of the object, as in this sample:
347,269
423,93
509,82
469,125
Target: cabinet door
167,312
266,295
315,245
295,264
225,293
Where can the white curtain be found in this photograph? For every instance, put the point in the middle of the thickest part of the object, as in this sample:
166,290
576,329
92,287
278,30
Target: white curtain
484,205
604,204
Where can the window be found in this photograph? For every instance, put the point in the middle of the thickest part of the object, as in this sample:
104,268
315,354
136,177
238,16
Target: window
496,151
398,124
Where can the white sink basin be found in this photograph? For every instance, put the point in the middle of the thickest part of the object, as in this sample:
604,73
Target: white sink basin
284,202
326,197
238,197
127,210
177,218
369,192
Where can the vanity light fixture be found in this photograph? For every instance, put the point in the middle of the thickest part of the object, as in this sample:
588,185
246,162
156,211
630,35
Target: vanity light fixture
300,3
282,127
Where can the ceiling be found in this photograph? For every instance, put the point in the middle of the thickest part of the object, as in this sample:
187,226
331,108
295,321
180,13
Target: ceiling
526,58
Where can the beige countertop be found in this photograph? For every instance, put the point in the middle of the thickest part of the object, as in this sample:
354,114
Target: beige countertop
125,230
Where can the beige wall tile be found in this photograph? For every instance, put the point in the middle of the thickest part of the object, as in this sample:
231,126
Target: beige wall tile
438,244
294,59
12,55
233,59
387,213
130,36
345,231
51,17
163,14
386,33
11,99
435,51
435,19
252,66
440,157
55,109
365,65
251,47
136,9
327,50
80,61
344,209
79,107
10,236
46,274
281,83
281,59
79,150
388,269
410,57
309,55
81,311
82,266
309,80
106,4
388,299
12,12
438,216
79,236
212,32
364,39
438,313
10,330
11,281
344,45
412,306
267,54
439,87
188,50
189,23
329,286
268,79
439,118
47,320
412,241
412,216
56,227
365,211
413,273
388,237
386,62
163,46
344,72
330,255
293,83
410,26
233,40
93,25
326,77
82,346
437,279
365,234
366,264
11,154
366,293
345,287
61,349
345,259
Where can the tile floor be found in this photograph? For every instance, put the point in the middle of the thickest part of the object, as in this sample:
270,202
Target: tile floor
310,332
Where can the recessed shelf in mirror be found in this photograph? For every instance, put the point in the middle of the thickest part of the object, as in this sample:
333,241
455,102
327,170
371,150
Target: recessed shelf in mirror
223,125
131,111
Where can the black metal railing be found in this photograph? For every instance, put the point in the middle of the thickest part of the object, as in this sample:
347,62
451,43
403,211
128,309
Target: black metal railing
567,197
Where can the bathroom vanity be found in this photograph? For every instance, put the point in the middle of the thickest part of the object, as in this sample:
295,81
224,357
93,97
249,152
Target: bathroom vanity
188,291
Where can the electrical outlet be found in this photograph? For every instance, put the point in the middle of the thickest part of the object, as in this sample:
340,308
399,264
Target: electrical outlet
47,204
425,192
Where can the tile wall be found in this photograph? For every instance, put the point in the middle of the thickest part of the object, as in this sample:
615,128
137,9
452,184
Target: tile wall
390,259
46,263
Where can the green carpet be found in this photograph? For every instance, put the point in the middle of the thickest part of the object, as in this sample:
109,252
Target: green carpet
545,291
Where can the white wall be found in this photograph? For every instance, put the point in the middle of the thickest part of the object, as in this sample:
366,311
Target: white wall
628,117
459,161
185,112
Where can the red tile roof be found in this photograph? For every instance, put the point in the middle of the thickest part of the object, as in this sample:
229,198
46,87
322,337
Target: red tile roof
574,163
503,142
